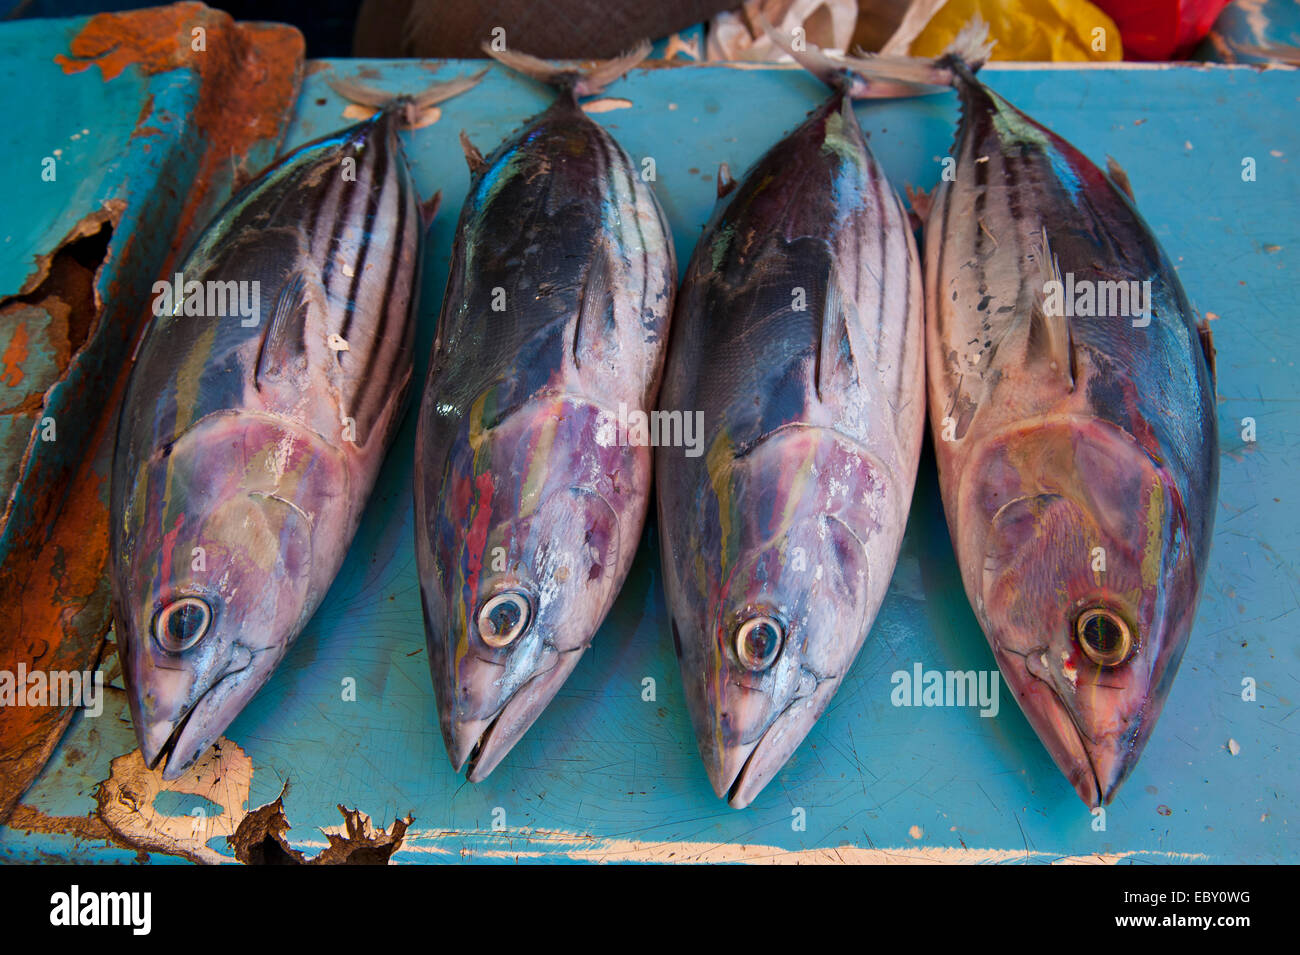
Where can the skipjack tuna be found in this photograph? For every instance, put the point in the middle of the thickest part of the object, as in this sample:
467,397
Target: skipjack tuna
1077,449
798,333
529,504
248,444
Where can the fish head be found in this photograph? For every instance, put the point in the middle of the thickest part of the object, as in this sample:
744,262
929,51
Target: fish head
1087,591
212,578
532,538
784,618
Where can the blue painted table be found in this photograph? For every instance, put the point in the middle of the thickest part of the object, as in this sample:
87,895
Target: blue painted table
607,775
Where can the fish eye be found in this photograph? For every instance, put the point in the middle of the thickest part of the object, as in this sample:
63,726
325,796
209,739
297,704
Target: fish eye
1105,636
503,618
181,624
758,641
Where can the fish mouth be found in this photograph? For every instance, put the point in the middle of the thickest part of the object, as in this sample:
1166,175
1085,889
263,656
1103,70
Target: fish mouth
478,746
164,753
745,770
475,769
1083,761
181,748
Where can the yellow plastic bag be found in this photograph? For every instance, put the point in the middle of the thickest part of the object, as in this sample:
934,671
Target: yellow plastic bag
1028,30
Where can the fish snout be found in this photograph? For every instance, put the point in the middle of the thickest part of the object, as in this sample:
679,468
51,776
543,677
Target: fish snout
177,721
529,624
758,735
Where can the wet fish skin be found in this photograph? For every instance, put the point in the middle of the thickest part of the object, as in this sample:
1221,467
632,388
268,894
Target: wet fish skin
556,313
245,455
1054,440
813,423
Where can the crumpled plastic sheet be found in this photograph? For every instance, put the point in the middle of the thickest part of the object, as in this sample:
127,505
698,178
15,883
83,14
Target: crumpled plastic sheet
737,35
1038,30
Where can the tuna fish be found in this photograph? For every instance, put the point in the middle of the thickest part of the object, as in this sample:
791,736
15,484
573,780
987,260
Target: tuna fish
798,336
261,401
1072,405
529,498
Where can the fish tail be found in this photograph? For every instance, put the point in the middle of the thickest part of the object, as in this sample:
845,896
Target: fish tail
889,75
409,105
568,79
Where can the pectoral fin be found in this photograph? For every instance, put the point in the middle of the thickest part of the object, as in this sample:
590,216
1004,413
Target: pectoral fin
282,339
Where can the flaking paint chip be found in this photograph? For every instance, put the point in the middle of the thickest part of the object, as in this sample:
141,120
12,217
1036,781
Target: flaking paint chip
337,343
1234,747
605,105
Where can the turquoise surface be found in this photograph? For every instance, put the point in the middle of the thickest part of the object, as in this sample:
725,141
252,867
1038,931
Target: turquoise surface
604,769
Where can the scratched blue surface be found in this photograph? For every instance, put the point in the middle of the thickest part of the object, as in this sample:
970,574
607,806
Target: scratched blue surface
605,764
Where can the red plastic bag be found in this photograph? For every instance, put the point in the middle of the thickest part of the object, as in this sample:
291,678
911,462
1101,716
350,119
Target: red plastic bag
1162,29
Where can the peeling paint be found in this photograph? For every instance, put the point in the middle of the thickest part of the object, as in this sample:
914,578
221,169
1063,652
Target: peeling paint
606,105
126,802
249,73
65,334
525,845
260,839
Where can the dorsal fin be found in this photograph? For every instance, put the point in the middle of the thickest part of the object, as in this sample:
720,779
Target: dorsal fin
725,182
282,339
473,157
596,311
1119,177
1049,339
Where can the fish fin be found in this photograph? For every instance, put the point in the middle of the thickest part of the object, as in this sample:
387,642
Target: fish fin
1207,346
835,361
429,208
725,182
1119,177
889,75
595,313
412,105
580,82
1050,339
920,200
282,339
472,156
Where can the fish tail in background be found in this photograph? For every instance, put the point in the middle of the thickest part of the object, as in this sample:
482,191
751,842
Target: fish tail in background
567,79
411,105
884,76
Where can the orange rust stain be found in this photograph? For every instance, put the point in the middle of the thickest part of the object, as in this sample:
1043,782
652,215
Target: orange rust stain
249,74
54,591
149,39
11,362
